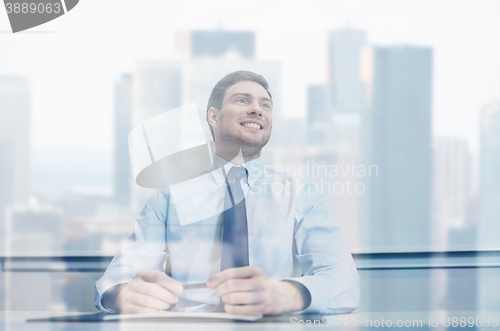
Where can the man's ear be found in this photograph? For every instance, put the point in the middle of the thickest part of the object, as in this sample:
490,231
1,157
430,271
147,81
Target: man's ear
213,116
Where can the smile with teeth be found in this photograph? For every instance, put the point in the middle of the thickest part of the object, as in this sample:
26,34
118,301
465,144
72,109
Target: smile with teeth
252,125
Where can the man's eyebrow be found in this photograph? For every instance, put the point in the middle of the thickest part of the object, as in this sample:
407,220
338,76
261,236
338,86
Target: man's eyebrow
243,94
267,99
249,95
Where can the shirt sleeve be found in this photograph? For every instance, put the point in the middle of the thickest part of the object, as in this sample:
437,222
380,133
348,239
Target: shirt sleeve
144,249
329,272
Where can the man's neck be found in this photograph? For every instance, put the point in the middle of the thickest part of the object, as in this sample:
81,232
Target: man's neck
235,154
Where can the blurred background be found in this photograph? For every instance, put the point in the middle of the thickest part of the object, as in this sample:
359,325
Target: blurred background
391,107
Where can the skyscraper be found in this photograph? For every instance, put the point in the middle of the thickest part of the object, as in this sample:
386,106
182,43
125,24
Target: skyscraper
344,47
334,108
489,177
319,113
489,201
157,88
217,43
295,134
15,116
15,109
452,190
334,112
123,126
397,204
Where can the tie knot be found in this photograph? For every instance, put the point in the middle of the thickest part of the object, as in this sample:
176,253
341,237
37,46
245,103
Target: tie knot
236,172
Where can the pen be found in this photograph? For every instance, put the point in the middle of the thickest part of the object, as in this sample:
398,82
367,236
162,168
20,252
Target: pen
194,286
166,265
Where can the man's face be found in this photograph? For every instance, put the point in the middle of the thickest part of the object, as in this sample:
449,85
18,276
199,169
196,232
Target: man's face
246,115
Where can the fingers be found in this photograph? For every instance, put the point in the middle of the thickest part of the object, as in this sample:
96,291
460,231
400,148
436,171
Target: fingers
153,290
160,278
145,301
246,291
240,285
243,272
150,291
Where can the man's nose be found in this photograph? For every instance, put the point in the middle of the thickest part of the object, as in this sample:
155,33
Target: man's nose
254,109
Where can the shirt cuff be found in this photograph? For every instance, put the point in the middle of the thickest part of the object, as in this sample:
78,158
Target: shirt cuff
321,302
315,304
98,301
100,307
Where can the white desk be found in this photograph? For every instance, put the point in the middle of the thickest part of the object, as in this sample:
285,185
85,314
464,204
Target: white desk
16,320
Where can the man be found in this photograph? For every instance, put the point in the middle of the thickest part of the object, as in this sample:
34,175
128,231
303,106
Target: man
276,249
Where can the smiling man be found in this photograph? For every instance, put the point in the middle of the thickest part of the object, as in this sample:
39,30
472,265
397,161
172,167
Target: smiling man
276,248
240,116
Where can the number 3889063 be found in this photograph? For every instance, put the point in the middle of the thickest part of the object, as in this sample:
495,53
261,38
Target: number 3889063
25,8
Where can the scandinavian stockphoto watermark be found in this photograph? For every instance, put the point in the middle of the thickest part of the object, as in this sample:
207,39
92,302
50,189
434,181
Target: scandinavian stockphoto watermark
320,178
26,14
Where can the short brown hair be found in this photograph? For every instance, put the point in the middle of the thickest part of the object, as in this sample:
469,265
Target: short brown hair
219,90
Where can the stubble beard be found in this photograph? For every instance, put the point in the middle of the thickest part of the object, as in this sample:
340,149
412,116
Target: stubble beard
248,149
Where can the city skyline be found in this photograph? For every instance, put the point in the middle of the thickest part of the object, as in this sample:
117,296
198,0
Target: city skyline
388,111
151,77
102,146
465,58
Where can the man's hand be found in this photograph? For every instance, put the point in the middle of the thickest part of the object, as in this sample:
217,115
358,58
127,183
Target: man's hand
249,291
149,292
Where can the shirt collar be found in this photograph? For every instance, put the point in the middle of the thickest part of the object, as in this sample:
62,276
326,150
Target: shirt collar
254,170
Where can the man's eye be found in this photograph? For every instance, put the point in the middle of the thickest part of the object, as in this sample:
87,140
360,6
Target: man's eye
241,101
266,106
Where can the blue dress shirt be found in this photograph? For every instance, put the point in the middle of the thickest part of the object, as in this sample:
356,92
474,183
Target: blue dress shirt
292,235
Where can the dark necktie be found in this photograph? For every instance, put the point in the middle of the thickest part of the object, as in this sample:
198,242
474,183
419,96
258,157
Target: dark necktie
235,230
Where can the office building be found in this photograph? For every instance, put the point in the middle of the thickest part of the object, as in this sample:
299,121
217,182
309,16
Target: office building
33,229
123,126
334,111
489,177
452,192
296,132
345,89
489,201
216,44
318,104
344,47
396,208
30,230
15,116
157,87
319,114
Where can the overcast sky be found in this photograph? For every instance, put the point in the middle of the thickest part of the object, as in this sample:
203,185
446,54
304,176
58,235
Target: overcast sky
72,67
